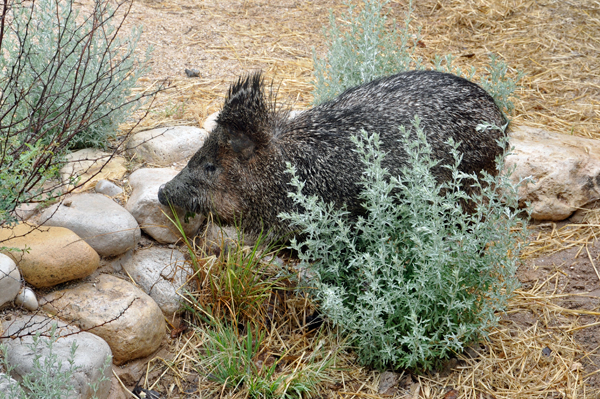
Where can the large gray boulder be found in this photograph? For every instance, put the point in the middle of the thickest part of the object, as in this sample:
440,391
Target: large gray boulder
167,145
90,358
105,225
160,272
9,387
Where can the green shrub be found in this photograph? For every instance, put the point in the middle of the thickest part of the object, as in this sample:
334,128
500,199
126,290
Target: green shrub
367,49
415,279
364,52
65,83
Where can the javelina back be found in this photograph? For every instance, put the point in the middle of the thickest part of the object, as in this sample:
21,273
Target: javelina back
240,172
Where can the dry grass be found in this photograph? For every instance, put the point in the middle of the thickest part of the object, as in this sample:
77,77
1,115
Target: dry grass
541,360
555,43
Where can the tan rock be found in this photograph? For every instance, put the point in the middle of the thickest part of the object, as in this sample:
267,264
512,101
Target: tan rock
565,171
92,165
49,255
115,310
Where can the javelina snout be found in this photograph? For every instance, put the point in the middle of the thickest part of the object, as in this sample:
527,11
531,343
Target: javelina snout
240,175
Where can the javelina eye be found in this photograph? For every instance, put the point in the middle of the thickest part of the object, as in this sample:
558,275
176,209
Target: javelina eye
209,167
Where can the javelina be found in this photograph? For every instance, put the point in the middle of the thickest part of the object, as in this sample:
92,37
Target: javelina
240,172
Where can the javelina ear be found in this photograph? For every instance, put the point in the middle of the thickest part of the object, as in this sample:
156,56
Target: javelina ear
245,117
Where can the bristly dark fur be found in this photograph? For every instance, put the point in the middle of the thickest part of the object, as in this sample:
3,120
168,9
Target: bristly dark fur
240,173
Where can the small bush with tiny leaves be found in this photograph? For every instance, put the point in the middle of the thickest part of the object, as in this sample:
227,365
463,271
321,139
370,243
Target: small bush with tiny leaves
414,279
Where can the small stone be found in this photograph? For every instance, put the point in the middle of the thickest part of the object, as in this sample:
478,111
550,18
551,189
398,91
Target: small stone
48,256
167,145
123,315
90,356
150,214
27,299
107,188
546,351
91,165
105,225
192,73
211,122
10,280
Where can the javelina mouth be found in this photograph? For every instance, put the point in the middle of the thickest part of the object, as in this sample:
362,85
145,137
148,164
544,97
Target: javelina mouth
168,196
162,196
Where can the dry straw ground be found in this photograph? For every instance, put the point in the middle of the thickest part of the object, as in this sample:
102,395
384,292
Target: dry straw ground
555,43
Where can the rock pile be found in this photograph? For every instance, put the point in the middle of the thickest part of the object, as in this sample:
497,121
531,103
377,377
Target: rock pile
119,315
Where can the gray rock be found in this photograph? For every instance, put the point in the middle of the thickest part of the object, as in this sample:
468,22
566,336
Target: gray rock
10,280
149,213
9,387
25,211
565,171
160,272
167,145
388,383
105,225
107,188
90,357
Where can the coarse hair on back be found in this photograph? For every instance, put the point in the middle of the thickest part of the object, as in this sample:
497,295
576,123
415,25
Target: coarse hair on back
251,108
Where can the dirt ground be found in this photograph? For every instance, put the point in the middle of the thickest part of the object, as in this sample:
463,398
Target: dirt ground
572,277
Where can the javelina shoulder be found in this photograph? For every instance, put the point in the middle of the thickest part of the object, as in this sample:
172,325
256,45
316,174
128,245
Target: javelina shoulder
239,175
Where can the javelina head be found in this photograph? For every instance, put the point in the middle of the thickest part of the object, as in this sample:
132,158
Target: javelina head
216,177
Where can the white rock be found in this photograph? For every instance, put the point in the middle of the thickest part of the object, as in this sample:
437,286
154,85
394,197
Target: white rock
167,145
91,165
90,356
144,206
10,279
27,299
160,272
565,171
107,188
105,225
211,122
